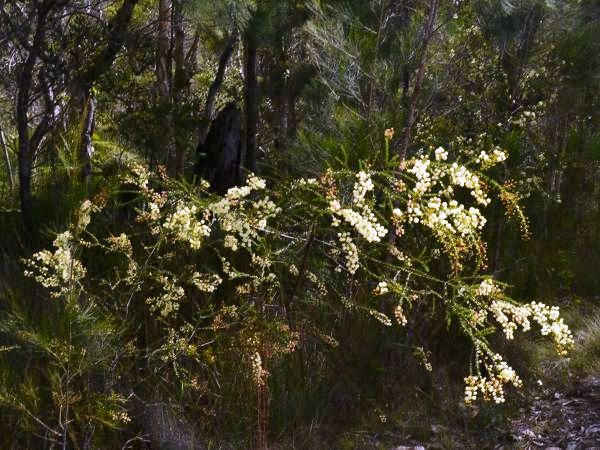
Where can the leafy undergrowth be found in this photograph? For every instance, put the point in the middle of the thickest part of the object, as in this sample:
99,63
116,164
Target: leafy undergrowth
559,409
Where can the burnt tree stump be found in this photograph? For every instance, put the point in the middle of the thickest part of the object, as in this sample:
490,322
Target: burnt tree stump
219,157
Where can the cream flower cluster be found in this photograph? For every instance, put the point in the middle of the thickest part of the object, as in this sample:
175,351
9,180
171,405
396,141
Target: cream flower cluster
240,218
350,251
441,154
487,288
178,344
491,387
168,302
259,373
362,218
120,244
139,176
478,317
57,271
152,212
381,317
120,417
443,216
548,318
424,358
321,287
525,118
381,288
186,227
400,316
420,169
84,215
303,182
431,203
487,160
362,187
206,282
510,316
363,221
463,177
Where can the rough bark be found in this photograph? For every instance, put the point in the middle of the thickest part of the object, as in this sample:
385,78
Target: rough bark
222,161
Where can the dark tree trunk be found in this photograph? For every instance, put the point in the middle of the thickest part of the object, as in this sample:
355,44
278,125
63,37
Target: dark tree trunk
280,96
163,88
117,33
410,102
25,188
209,108
180,82
9,172
25,152
298,80
83,104
29,143
411,113
86,148
223,156
251,100
405,86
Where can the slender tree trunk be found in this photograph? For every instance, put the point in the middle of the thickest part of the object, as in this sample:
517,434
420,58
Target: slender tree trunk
412,104
11,181
28,144
162,83
497,246
25,152
280,97
86,147
251,100
209,108
180,82
83,102
25,186
117,33
371,81
405,86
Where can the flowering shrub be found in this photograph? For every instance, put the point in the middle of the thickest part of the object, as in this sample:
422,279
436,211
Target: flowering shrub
255,274
57,271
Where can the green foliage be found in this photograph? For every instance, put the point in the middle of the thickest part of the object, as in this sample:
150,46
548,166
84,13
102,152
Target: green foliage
348,287
228,15
268,281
